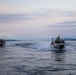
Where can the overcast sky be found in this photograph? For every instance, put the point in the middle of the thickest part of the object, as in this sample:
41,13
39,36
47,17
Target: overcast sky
20,19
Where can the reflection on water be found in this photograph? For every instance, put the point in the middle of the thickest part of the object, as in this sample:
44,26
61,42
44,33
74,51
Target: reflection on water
59,55
31,58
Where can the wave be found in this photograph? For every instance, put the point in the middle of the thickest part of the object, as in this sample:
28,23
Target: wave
41,45
27,45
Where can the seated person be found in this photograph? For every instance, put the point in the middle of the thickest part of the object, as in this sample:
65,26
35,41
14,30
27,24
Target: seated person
58,40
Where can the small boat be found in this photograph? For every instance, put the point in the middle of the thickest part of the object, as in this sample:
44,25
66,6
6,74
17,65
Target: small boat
58,43
2,43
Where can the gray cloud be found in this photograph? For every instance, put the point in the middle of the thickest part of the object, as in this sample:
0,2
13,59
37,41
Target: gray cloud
64,24
10,18
48,12
68,13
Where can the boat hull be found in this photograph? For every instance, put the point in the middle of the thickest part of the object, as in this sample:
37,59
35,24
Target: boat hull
2,43
59,46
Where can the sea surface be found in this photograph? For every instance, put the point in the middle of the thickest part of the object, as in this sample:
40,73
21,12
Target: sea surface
37,58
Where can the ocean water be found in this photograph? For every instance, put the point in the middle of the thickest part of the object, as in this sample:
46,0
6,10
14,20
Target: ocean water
37,58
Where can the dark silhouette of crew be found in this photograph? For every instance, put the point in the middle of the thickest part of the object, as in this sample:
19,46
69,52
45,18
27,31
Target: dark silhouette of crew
59,40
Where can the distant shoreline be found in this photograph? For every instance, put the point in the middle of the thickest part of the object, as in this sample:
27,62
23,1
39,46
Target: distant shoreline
40,39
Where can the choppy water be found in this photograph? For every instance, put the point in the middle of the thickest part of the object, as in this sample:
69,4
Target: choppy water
37,58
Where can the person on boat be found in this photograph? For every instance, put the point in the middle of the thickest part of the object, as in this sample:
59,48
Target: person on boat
58,40
52,43
63,41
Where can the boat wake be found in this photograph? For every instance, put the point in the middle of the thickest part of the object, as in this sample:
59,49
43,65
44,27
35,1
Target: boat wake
42,45
39,46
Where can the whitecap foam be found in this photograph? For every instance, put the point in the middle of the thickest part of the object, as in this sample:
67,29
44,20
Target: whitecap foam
35,45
